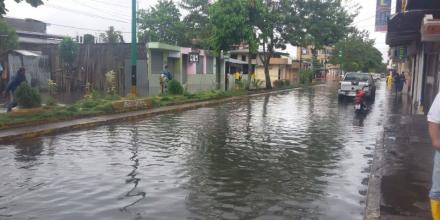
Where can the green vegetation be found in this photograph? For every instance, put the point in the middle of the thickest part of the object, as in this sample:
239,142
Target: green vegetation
69,50
89,39
100,104
357,53
175,88
27,97
305,76
10,40
161,23
112,36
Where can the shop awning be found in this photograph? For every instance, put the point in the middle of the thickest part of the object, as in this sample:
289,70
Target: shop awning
235,61
404,27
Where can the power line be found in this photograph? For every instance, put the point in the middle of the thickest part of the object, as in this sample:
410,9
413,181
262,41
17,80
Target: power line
110,12
85,13
81,28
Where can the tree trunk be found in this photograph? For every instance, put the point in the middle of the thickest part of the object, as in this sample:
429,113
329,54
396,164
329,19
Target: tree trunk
266,74
249,69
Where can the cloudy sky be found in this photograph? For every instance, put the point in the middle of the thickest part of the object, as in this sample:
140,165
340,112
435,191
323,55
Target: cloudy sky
77,17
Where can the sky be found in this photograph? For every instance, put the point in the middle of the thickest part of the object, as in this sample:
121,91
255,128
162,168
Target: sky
78,17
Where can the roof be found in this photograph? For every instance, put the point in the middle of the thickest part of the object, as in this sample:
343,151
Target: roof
162,46
404,27
32,40
27,24
27,53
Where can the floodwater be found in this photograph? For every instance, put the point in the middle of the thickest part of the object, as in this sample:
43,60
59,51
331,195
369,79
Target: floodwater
297,155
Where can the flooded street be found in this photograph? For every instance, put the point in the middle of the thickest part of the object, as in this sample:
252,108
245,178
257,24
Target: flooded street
297,155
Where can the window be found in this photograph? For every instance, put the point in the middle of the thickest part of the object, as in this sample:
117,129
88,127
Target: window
357,77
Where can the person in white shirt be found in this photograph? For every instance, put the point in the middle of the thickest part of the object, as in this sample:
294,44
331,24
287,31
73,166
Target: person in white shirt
434,133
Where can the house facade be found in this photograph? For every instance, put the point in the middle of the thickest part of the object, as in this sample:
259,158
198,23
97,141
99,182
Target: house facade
414,39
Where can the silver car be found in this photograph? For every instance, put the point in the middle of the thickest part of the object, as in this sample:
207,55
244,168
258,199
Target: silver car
357,81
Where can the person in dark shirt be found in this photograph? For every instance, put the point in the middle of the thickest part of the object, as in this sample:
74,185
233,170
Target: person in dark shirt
13,85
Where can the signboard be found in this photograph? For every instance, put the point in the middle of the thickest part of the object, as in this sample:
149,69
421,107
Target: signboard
193,57
383,11
430,30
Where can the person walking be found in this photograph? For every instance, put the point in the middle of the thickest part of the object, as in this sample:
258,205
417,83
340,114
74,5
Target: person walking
434,133
390,80
12,86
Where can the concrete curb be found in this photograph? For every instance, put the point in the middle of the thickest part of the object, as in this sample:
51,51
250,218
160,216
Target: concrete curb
28,132
372,209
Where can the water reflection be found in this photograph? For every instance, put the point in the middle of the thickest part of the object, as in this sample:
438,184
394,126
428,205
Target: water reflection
134,192
29,151
297,155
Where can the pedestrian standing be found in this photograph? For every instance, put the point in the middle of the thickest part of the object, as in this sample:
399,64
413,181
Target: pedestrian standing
165,76
434,132
12,86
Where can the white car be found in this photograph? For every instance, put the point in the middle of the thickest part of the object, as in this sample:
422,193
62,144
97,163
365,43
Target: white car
356,81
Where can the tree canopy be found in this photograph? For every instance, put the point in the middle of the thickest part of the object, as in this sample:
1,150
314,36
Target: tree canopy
34,3
161,23
8,37
89,39
112,36
357,53
196,21
69,50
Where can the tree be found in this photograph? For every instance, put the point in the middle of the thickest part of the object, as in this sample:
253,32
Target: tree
197,20
271,21
161,23
34,3
8,37
69,50
232,22
112,36
325,23
357,53
89,39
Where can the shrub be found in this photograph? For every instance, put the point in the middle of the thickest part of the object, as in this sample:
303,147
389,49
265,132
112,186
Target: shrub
305,76
51,101
27,97
175,88
105,107
278,83
110,81
256,83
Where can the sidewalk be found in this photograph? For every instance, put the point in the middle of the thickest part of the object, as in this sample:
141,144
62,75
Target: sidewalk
401,172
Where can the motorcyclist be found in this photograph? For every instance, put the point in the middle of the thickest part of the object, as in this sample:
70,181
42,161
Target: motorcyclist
359,98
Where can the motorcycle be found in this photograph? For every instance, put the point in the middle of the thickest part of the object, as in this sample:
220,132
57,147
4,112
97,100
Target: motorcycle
359,105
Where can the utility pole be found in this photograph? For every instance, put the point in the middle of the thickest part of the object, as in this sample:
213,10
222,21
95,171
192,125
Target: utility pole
133,49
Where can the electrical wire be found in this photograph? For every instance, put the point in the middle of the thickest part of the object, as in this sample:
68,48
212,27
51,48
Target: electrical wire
85,13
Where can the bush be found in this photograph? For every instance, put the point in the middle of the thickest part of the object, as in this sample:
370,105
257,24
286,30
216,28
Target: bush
175,88
27,97
305,76
278,83
51,101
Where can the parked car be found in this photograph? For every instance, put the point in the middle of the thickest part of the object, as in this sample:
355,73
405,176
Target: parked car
355,81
